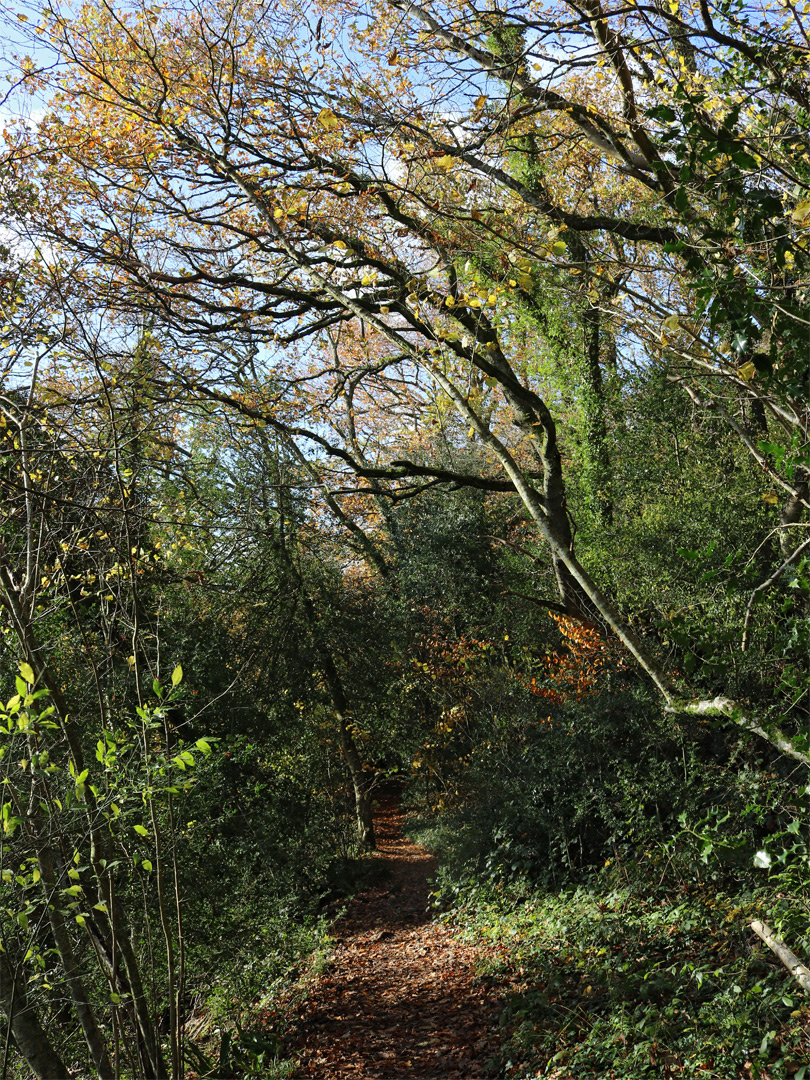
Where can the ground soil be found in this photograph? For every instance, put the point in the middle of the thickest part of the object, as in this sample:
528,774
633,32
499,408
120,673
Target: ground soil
400,998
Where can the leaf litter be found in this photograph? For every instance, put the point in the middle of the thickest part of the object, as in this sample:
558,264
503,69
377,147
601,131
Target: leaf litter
400,998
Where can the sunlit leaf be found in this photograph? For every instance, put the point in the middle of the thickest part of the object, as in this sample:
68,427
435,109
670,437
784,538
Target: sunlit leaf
328,120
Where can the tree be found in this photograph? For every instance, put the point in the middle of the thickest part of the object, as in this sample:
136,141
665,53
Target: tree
275,200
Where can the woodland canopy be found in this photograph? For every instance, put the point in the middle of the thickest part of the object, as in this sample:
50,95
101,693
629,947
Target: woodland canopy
388,389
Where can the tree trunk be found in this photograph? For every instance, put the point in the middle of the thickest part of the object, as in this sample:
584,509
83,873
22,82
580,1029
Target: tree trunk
351,755
598,467
29,1035
78,995
792,513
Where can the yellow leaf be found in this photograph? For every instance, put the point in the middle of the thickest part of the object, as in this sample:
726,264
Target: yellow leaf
671,322
559,248
27,673
449,301
446,161
328,120
480,101
341,244
770,497
801,212
177,675
747,371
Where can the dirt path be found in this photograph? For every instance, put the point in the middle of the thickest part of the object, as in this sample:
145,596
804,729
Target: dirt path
399,999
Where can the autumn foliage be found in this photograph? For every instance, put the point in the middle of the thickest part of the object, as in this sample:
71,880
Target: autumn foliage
577,668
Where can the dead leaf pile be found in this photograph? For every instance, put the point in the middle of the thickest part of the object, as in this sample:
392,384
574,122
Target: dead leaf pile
400,998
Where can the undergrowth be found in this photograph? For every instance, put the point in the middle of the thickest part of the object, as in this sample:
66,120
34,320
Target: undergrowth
636,959
604,981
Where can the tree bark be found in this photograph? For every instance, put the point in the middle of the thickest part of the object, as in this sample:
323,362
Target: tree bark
789,958
78,994
351,755
792,513
29,1035
593,418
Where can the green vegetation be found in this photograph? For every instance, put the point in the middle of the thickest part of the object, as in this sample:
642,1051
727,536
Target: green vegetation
412,392
615,914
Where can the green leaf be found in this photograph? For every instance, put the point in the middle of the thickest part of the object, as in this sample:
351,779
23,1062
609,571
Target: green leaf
140,830
22,689
27,672
177,675
146,864
158,689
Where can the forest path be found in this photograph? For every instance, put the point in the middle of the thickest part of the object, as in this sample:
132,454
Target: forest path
399,998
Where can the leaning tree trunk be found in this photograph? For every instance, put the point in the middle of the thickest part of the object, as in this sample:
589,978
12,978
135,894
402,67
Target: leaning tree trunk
24,1026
